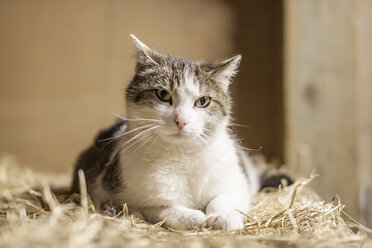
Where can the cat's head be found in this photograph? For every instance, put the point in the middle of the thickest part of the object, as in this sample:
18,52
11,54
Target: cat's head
185,100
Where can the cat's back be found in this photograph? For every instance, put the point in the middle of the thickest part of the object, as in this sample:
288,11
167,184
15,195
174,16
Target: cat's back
95,160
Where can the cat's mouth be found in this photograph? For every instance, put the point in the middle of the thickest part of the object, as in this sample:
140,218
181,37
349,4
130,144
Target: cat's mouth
176,136
181,134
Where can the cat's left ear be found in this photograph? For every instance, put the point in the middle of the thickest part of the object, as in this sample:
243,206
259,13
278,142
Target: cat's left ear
224,71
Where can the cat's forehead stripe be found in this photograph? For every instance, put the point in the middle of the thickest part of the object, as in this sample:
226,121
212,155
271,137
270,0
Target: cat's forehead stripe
177,79
183,78
190,83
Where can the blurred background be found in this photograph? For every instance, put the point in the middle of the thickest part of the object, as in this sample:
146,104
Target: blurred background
304,88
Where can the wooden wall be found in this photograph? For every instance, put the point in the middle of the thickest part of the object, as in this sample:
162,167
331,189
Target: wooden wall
328,97
363,22
64,65
258,89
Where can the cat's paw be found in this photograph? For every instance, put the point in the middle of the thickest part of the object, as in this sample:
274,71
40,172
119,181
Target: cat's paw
227,222
185,220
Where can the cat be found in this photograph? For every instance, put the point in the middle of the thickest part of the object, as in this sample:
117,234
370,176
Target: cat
174,157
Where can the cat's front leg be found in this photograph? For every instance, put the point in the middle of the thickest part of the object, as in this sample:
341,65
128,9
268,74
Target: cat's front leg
178,217
222,211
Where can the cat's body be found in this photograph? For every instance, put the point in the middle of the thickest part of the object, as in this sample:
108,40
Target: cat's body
170,176
174,157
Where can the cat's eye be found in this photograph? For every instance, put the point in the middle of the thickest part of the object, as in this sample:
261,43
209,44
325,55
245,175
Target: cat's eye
203,102
163,95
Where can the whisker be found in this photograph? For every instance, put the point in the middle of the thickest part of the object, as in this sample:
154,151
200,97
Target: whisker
250,149
121,135
139,143
203,138
131,131
239,125
141,133
137,119
149,137
133,152
204,134
144,136
200,143
153,141
142,119
207,131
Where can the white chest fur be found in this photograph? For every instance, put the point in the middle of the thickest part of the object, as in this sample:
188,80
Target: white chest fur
163,175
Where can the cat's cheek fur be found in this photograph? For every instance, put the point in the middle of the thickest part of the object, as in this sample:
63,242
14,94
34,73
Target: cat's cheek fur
139,111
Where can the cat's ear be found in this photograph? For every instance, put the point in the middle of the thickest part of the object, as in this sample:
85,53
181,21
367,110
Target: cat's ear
145,56
224,71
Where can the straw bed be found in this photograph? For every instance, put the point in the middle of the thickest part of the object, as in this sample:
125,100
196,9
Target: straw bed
31,215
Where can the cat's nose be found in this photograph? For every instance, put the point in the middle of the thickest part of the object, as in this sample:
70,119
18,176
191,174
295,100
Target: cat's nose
180,122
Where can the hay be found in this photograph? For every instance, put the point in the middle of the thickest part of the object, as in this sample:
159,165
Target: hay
31,215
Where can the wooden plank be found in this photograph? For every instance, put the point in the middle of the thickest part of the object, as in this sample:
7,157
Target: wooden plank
257,91
364,104
320,92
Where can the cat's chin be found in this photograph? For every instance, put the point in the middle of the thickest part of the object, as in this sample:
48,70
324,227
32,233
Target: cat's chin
179,138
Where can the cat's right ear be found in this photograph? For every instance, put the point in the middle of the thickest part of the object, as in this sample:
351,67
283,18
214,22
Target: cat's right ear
146,57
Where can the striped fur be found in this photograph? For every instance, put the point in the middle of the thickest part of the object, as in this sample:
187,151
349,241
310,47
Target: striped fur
182,173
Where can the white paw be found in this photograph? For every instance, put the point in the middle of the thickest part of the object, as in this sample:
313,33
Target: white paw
227,222
186,220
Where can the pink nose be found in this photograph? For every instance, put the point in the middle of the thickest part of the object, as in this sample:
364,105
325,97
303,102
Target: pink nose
180,123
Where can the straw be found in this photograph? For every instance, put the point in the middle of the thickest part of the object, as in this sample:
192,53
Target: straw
31,215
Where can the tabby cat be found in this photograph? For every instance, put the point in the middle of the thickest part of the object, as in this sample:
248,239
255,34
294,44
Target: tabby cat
174,157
